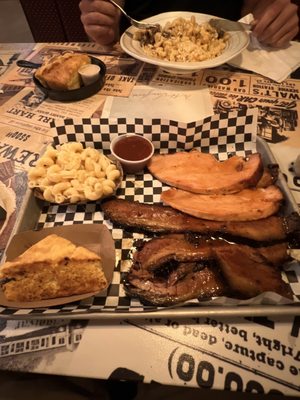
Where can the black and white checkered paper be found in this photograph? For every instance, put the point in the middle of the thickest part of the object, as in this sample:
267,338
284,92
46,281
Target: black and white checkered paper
223,134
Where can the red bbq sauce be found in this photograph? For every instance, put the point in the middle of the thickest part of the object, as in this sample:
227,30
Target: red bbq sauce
132,148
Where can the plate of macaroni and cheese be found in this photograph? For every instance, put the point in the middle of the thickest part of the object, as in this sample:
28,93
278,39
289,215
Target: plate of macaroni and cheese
73,174
186,42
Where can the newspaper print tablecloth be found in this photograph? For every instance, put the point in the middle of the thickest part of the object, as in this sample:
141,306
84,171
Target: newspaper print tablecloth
254,355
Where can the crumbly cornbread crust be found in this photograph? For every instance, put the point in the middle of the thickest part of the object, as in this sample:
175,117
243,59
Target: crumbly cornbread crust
53,267
61,72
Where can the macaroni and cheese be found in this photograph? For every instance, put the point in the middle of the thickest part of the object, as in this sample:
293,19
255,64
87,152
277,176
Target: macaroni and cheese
73,174
183,40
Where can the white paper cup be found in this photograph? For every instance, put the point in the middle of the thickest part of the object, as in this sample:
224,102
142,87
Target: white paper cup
132,166
89,73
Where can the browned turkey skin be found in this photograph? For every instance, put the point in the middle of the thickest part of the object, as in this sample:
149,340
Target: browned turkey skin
202,173
246,205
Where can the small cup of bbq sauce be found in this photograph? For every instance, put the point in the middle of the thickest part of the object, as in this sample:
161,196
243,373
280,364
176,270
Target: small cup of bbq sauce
133,151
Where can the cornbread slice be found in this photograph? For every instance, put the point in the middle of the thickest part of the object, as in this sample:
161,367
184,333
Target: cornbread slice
61,72
53,267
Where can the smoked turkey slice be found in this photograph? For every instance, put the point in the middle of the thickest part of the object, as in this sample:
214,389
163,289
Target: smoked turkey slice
202,173
246,205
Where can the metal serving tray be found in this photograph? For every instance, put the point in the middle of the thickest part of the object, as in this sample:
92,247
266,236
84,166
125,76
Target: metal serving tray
30,219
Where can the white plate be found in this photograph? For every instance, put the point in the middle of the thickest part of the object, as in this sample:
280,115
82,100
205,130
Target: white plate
237,42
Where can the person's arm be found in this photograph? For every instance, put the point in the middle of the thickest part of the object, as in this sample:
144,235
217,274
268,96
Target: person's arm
101,20
276,21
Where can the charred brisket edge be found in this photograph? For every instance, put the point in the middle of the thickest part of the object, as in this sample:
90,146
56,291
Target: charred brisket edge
274,171
212,235
148,298
291,225
157,301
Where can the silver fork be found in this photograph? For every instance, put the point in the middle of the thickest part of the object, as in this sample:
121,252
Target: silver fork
134,22
228,25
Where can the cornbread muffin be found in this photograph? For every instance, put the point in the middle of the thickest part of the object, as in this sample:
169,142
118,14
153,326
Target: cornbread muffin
53,267
61,72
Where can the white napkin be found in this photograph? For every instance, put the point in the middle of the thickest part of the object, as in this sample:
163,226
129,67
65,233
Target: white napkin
272,63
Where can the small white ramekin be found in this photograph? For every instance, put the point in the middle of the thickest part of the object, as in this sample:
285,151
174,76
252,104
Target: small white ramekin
129,166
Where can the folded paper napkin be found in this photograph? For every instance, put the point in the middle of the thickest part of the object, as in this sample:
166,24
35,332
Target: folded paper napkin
276,64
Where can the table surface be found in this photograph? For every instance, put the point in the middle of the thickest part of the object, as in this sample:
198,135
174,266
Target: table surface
253,354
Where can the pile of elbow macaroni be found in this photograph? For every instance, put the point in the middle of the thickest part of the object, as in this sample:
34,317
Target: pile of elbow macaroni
72,174
185,40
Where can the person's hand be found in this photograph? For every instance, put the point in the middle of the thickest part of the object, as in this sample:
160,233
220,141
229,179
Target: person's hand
100,20
276,22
